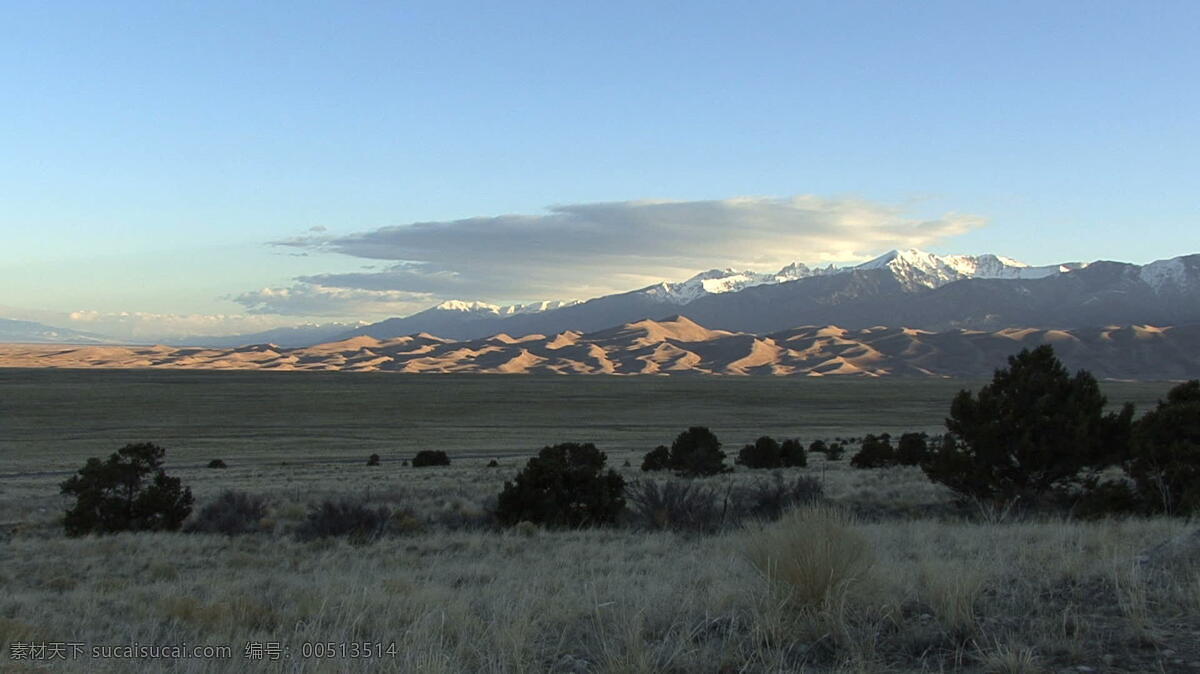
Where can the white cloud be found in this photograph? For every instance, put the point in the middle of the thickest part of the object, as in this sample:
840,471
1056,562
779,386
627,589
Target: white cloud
306,299
583,250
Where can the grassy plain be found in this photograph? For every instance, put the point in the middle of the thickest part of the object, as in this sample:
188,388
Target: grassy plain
939,589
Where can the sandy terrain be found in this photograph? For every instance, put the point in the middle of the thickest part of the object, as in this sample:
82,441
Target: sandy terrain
676,346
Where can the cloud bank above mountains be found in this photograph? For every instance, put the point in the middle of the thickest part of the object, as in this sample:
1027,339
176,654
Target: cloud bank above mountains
309,299
585,250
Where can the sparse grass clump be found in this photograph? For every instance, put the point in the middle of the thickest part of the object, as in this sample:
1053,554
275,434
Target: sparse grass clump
232,513
813,556
344,519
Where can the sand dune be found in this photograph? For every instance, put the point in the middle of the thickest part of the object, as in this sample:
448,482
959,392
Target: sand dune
676,346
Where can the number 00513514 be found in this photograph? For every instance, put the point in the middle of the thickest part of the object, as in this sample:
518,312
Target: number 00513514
347,649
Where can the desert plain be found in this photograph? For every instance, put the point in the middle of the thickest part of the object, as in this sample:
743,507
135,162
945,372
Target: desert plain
937,586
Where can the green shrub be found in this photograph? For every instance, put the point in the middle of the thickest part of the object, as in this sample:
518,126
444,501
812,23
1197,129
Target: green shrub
1105,499
834,451
792,454
912,449
232,513
430,457
563,486
674,505
764,453
876,452
373,460
493,464
696,452
217,463
1165,457
345,518
952,466
658,458
1033,429
818,447
128,492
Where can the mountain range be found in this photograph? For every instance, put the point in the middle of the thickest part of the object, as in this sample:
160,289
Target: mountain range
38,333
676,346
909,288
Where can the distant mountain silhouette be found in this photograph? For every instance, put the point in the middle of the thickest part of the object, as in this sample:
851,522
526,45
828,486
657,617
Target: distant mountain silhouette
37,333
910,289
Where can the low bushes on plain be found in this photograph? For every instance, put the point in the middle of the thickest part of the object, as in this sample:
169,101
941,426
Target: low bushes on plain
565,485
353,520
769,499
675,505
430,457
232,513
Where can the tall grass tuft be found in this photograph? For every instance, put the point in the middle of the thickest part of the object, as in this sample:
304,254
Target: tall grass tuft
1006,659
812,555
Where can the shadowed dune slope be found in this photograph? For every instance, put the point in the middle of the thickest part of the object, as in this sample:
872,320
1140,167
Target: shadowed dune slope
677,346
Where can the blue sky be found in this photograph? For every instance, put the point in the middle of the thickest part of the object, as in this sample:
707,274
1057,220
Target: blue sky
150,153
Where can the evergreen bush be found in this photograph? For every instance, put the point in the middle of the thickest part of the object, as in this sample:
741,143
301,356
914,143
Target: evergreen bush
128,492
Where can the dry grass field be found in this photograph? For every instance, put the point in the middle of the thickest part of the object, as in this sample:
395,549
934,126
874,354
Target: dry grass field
885,575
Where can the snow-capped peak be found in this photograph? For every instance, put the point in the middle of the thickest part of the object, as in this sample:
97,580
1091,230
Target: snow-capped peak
919,268
1176,273
795,270
485,309
467,307
711,282
536,307
912,267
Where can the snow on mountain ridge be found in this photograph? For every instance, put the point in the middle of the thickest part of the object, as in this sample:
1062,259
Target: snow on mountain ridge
919,268
912,267
1176,273
486,309
915,268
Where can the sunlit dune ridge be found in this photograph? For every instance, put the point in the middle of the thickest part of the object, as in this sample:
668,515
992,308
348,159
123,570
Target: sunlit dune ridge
675,345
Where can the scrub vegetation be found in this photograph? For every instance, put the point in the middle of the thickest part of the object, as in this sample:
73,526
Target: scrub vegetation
796,566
